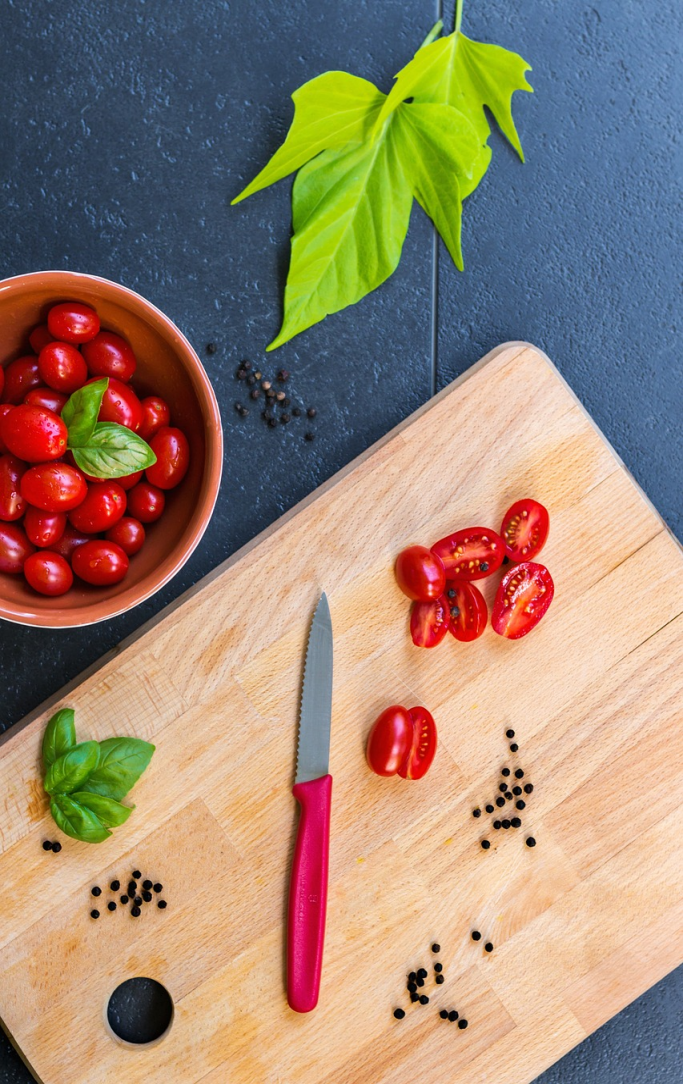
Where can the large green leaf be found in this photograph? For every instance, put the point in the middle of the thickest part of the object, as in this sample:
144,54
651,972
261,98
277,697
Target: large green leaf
122,762
108,810
334,109
72,768
59,736
350,211
76,821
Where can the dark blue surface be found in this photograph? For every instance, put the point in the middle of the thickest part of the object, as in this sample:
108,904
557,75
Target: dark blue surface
127,127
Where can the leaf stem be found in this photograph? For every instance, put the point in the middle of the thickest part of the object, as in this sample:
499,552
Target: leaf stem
433,34
458,15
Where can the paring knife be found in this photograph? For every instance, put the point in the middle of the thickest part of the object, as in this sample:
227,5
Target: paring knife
313,791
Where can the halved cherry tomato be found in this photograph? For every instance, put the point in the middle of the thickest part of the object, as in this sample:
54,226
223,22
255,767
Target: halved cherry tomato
468,610
172,450
420,755
44,528
524,595
129,534
54,487
120,404
47,398
155,415
70,541
470,554
73,322
402,742
14,548
429,622
102,506
48,573
100,563
146,502
33,433
20,376
12,504
4,409
525,530
39,337
420,574
62,367
110,355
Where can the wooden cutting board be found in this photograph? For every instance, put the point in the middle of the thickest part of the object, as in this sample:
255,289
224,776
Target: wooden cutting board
581,924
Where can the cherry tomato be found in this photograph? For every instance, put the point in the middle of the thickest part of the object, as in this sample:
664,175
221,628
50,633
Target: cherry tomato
39,337
62,367
155,415
420,574
523,596
48,573
110,355
470,554
72,322
44,528
34,434
2,379
402,742
129,534
173,458
4,409
130,480
429,621
54,487
120,404
20,376
14,548
101,508
70,541
12,504
525,530
47,399
146,502
467,610
100,563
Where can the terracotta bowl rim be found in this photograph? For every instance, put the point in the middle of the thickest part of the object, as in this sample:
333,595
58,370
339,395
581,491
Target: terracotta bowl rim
77,617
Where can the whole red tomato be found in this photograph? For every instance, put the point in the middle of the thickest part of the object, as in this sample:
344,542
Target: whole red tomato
109,355
33,433
129,534
39,337
429,622
70,541
420,574
146,502
12,504
4,409
44,528
130,480
20,376
54,487
155,415
402,742
100,563
14,548
47,398
48,573
62,367
100,509
73,322
173,458
120,404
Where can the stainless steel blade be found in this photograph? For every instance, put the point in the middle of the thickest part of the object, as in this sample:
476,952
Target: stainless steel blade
313,751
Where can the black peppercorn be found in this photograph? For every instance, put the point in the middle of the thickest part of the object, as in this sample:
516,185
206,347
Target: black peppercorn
251,380
399,1014
513,747
436,947
489,808
296,411
484,566
267,414
444,1014
439,980
94,914
96,891
56,847
246,365
309,436
509,733
420,980
502,787
519,774
311,412
476,812
147,896
485,844
162,904
452,1015
254,393
505,771
272,422
241,374
135,911
414,998
476,936
412,976
508,795
488,947
438,967
115,886
147,884
158,887
528,788
132,887
424,1000
520,804
211,348
111,906
136,875
496,824
462,1024
500,802
422,973
286,402
450,593
516,790
47,845
137,901
455,612
124,900
531,842
516,822
412,988
506,824
284,418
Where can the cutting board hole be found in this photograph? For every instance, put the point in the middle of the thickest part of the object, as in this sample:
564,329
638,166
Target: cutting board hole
140,1011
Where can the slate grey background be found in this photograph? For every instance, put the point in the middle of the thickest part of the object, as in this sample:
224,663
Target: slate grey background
127,126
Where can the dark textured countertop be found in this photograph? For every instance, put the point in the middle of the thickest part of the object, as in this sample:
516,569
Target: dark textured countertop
127,127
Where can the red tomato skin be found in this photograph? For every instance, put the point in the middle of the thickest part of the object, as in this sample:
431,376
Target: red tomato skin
155,416
14,548
47,398
44,528
109,355
530,519
62,367
429,622
470,622
464,552
70,541
420,574
2,380
120,404
146,502
100,563
173,458
12,504
34,434
102,506
39,337
20,376
389,740
130,480
4,409
73,322
129,534
54,487
531,586
48,573
420,754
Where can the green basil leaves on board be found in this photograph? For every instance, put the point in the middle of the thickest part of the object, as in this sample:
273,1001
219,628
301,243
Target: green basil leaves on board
87,781
102,449
363,156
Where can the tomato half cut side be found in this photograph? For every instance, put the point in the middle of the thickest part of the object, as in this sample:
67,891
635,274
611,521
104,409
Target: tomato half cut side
525,530
420,573
467,609
389,740
470,554
523,597
423,746
429,622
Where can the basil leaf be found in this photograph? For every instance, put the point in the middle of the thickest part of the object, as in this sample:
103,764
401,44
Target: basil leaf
122,762
59,736
110,812
81,410
113,451
76,821
72,768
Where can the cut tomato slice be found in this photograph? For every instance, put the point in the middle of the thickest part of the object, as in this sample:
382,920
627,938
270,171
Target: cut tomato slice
423,747
467,609
523,597
429,621
470,554
525,530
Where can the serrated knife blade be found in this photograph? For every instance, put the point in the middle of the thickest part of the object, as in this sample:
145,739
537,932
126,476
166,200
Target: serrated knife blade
315,717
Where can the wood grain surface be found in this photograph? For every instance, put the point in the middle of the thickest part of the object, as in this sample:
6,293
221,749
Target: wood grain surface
581,924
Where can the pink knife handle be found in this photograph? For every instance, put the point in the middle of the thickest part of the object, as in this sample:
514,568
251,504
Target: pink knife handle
308,894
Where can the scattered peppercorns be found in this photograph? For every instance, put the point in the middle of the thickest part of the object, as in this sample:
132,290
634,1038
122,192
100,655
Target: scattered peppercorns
135,911
519,774
476,812
438,967
311,412
124,900
516,822
111,906
439,980
514,747
462,1024
158,887
489,808
509,733
530,841
162,905
444,1014
452,1016
520,804
528,788
47,845
96,891
505,771
496,824
424,1000
436,947
500,802
309,436
115,886
485,844
476,936
211,348
505,823
56,847
516,790
94,914
488,947
132,887
399,1014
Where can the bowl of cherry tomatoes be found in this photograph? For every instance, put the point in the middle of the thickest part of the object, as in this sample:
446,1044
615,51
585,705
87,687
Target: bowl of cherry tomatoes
111,449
